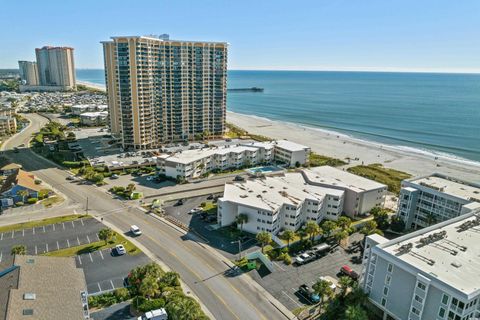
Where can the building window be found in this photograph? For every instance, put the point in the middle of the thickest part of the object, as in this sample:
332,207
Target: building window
388,279
421,286
415,311
390,268
384,302
418,299
441,312
385,291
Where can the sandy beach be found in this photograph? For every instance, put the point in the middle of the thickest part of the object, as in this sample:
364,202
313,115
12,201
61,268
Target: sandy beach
342,146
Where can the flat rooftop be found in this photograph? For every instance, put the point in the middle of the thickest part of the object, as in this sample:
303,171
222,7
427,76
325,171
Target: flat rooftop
336,177
55,285
450,186
453,258
289,145
189,156
270,193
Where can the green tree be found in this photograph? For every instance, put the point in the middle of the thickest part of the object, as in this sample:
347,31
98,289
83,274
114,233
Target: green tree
22,193
381,218
322,288
184,308
264,238
19,249
344,284
344,223
312,229
241,219
397,224
328,226
355,312
170,279
370,227
341,235
206,134
105,234
130,188
289,236
149,287
430,218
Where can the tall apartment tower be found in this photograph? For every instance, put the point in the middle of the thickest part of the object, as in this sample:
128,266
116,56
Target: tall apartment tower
161,90
29,72
56,67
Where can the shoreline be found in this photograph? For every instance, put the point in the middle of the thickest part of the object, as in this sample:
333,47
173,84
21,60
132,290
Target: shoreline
415,161
339,145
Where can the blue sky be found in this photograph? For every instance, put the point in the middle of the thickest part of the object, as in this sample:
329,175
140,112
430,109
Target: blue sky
405,35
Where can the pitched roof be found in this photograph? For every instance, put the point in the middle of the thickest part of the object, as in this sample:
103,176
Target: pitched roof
21,178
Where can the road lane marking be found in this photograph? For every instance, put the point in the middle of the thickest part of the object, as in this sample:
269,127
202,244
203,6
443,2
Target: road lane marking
99,288
88,239
111,282
1,237
43,229
78,240
33,230
90,255
98,239
68,243
35,249
101,254
13,232
53,225
79,260
1,256
23,232
58,246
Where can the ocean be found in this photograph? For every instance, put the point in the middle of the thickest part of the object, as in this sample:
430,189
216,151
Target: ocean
425,112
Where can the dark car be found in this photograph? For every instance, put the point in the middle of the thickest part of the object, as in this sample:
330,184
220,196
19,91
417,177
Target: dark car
309,294
346,270
239,178
211,218
210,197
179,202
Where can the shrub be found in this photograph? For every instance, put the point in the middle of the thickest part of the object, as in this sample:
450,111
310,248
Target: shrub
287,259
153,304
19,203
121,294
43,193
32,200
37,181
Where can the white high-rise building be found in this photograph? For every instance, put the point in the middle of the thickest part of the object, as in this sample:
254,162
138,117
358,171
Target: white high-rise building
29,72
56,67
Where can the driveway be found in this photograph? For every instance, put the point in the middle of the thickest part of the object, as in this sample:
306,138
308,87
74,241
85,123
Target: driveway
120,311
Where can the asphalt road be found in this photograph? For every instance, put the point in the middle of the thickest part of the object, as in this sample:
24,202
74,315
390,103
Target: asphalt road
199,267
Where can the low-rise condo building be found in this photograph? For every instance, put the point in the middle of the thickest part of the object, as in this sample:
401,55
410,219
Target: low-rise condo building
286,202
431,273
190,164
436,198
78,109
94,118
278,202
361,194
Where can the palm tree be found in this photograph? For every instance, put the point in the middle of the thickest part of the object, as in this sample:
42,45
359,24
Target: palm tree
344,223
170,279
184,308
241,219
130,188
340,235
105,234
328,226
370,227
312,229
206,134
322,288
264,238
355,312
23,193
149,287
289,235
344,283
19,249
430,218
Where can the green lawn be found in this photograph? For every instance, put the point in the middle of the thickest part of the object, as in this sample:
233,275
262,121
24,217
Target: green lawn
95,246
44,222
391,177
316,160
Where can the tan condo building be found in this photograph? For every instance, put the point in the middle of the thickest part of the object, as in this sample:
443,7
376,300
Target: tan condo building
56,67
29,72
161,90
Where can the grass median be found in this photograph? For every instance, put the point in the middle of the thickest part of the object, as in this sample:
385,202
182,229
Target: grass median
43,222
95,246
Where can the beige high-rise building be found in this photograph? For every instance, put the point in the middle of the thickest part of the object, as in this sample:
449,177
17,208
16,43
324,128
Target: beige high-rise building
29,72
56,67
161,90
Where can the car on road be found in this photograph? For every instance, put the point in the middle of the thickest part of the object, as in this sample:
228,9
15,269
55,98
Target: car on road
239,178
346,270
114,176
321,250
119,250
211,218
135,230
233,271
210,197
309,294
179,202
304,258
71,178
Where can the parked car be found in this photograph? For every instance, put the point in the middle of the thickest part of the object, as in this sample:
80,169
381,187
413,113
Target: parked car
309,294
321,249
239,178
195,210
179,202
114,176
304,258
158,314
71,178
150,178
135,230
119,250
211,218
210,197
332,285
346,270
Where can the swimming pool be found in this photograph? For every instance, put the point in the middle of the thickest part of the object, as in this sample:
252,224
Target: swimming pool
265,169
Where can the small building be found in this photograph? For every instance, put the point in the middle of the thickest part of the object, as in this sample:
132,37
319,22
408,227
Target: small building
16,182
78,109
94,119
8,125
431,273
41,287
9,169
435,198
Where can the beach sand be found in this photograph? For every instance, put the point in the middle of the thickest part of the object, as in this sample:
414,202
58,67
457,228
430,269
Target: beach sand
342,146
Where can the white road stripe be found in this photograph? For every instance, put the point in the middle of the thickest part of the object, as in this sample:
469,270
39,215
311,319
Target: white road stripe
88,238
101,254
23,232
68,243
63,224
99,288
111,282
33,230
78,240
53,225
1,255
46,246
13,232
35,249
58,246
90,255
73,224
1,237
81,220
79,260
43,229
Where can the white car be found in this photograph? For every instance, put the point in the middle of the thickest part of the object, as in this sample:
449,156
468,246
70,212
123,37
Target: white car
120,250
301,259
135,230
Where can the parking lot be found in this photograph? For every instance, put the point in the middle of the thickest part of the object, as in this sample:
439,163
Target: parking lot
51,237
102,270
284,283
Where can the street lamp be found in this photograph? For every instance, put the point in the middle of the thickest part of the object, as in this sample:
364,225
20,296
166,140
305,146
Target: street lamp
239,248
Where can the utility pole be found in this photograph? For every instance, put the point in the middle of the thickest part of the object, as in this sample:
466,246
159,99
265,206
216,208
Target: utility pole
86,208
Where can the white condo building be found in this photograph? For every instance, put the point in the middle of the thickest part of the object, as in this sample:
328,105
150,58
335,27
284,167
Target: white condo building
286,202
435,198
190,164
429,274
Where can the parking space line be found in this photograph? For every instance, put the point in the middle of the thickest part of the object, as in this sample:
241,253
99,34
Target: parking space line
58,246
101,254
1,256
1,237
78,240
88,239
63,224
46,246
33,230
68,243
53,226
298,304
43,229
111,282
79,260
23,232
278,265
73,224
98,239
90,255
81,220
99,288
35,249
13,233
